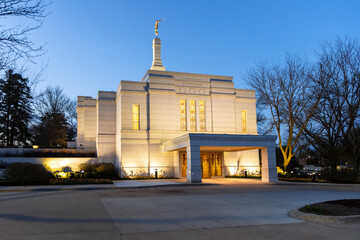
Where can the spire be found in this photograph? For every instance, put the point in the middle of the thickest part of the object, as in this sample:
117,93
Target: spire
157,64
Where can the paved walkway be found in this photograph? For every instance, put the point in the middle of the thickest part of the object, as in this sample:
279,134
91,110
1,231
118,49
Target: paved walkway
181,211
148,183
220,209
116,184
157,182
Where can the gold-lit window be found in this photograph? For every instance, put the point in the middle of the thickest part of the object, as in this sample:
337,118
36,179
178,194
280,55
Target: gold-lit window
192,116
183,115
136,116
202,115
243,122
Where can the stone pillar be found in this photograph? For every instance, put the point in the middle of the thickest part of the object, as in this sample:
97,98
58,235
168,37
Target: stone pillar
177,165
193,174
157,64
268,170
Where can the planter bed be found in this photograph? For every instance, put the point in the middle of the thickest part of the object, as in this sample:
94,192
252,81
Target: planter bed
73,181
344,207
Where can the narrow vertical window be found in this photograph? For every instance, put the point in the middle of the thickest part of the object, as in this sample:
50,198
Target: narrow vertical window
136,116
243,122
202,115
192,116
183,115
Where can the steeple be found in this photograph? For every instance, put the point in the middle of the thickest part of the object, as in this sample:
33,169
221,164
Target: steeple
157,64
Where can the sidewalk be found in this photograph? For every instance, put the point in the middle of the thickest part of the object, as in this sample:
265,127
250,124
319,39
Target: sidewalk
148,183
116,185
131,184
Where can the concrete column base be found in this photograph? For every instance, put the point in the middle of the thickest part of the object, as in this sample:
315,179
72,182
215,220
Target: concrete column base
193,164
268,170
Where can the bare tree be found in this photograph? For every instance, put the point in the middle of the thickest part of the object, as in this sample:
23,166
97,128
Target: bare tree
288,92
71,116
15,43
52,100
57,115
338,118
323,132
264,126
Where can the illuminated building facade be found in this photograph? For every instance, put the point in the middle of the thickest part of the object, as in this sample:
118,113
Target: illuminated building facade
178,124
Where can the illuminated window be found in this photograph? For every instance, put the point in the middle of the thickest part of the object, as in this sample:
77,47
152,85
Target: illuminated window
192,116
202,115
243,122
136,117
183,115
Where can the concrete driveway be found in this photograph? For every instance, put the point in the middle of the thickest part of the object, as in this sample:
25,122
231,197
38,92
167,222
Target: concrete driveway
226,209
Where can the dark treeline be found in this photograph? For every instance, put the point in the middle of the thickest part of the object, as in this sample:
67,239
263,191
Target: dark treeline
47,119
314,106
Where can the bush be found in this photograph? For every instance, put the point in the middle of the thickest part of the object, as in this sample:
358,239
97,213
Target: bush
27,173
342,176
145,178
243,176
98,170
88,167
106,170
301,179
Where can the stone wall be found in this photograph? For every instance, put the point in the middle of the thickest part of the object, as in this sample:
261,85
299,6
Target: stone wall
55,164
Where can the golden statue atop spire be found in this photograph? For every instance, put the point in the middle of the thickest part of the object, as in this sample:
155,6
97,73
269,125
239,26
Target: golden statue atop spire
157,25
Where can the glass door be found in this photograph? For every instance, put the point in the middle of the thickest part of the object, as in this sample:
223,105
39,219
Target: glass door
205,165
183,160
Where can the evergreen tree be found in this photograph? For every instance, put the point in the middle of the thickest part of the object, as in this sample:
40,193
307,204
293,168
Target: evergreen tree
15,109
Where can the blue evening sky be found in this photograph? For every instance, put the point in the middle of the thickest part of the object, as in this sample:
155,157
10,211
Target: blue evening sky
92,44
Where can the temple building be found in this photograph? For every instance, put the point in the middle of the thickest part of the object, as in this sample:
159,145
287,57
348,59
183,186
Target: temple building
177,124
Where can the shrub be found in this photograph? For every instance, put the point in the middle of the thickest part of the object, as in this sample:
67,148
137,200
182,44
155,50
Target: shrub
98,170
340,176
145,177
71,181
75,175
106,170
88,167
302,179
243,176
27,173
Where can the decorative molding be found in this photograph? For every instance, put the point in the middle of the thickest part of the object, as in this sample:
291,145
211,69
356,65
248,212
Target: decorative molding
193,91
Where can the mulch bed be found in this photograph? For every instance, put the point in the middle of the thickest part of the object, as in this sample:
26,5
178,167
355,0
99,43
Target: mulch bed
344,207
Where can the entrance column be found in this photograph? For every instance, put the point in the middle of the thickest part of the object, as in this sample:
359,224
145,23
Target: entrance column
193,164
268,170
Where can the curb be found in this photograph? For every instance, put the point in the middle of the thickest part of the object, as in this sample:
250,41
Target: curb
320,184
52,189
324,219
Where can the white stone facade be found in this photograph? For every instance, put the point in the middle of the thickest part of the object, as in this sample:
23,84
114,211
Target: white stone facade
211,105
